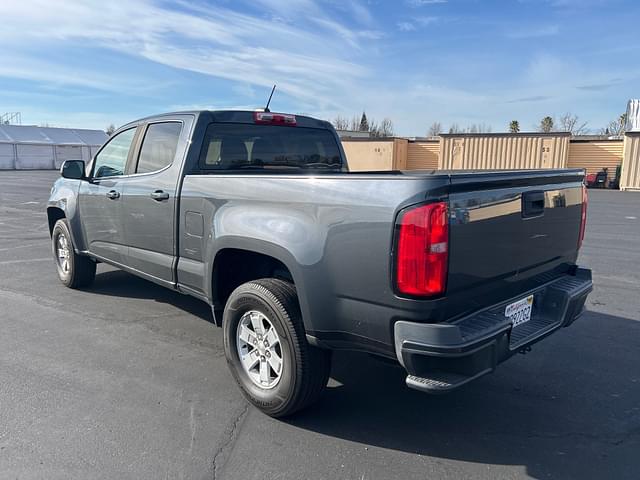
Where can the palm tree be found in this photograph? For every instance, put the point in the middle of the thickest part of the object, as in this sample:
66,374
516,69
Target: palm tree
546,124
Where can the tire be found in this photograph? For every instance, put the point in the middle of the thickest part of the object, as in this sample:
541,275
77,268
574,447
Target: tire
304,369
74,271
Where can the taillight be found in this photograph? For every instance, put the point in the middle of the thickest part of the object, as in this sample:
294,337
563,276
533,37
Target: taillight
422,251
268,118
583,218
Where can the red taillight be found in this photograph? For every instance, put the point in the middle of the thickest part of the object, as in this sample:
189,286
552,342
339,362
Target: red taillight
583,218
423,250
268,118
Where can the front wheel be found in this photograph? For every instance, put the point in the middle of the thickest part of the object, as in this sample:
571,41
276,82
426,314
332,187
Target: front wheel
267,351
74,270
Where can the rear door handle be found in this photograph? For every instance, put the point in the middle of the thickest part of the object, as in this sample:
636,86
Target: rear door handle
112,194
159,195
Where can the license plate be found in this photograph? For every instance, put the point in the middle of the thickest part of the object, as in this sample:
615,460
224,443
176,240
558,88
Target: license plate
519,312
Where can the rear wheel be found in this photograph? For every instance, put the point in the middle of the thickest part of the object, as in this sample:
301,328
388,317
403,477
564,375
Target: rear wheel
267,351
74,270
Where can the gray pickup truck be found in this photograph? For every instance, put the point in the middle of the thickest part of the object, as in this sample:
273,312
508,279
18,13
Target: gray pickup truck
447,273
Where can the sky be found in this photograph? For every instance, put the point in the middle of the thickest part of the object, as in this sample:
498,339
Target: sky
89,64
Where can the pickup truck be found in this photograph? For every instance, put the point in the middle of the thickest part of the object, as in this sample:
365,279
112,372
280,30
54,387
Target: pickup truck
447,273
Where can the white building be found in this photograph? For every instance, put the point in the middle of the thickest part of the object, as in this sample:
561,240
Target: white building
31,147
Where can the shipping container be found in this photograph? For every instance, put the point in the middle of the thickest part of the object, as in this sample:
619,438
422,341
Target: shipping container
630,176
365,154
503,151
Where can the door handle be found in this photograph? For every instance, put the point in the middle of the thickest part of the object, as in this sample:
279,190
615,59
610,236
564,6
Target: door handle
532,204
112,194
159,195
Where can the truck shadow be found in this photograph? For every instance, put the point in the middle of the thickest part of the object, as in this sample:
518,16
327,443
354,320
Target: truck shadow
569,409
118,283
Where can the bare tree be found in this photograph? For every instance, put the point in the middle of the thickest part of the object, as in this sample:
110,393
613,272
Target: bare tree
616,127
355,123
386,128
514,126
340,123
435,129
546,125
110,129
478,128
455,128
571,123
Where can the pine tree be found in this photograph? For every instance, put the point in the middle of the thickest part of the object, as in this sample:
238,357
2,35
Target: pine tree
514,126
364,123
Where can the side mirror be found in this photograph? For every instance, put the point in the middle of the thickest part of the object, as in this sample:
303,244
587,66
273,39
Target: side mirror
73,169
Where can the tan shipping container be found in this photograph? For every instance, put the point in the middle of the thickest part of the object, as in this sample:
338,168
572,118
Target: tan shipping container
630,175
423,154
375,155
594,155
503,151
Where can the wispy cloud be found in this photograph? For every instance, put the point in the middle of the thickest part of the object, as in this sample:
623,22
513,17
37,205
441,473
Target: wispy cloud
533,98
595,87
406,26
540,31
304,62
415,23
422,3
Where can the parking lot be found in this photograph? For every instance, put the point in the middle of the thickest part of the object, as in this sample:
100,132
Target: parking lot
128,380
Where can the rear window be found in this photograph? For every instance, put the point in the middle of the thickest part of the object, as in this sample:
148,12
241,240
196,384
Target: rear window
239,146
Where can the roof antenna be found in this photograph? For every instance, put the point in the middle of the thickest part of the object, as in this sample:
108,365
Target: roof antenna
266,109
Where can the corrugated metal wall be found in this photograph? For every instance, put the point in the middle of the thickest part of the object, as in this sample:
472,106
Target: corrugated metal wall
503,151
593,156
400,151
630,175
423,155
364,155
7,156
375,155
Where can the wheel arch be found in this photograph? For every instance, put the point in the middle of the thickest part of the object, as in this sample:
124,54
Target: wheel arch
238,261
53,215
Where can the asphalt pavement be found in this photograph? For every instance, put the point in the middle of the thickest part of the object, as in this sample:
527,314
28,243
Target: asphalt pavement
128,380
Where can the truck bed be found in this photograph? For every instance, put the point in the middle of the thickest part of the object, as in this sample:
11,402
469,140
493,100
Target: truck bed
335,233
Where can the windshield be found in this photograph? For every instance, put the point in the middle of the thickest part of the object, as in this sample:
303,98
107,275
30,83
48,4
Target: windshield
233,146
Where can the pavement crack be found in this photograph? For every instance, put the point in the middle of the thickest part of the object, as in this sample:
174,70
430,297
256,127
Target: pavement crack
226,447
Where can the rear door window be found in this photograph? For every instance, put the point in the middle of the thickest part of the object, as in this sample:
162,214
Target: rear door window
159,146
242,146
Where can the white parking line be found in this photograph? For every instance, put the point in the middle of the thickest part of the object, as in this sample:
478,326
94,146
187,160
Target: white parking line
26,260
23,246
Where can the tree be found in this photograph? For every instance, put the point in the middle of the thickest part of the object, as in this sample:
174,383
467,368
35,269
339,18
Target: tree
455,128
546,125
340,123
386,128
616,127
570,123
110,129
435,129
364,123
514,126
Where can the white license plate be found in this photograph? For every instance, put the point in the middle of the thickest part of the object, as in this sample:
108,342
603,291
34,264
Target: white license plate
519,312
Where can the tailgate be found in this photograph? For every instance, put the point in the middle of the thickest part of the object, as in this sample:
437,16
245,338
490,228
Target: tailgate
510,232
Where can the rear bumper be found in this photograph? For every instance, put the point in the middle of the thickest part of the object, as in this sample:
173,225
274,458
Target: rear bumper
442,357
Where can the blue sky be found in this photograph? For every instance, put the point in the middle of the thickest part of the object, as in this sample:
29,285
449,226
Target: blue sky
92,63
